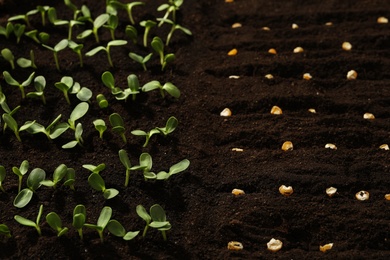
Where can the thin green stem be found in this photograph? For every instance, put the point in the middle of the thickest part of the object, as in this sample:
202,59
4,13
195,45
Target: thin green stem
21,87
66,96
145,229
109,58
38,230
127,177
81,58
20,183
17,135
164,235
80,231
56,61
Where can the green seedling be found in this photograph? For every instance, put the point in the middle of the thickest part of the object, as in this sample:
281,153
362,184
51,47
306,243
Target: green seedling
2,177
78,112
132,33
13,125
52,131
167,87
73,7
128,7
111,8
148,25
11,81
52,14
116,228
24,17
118,125
77,49
34,180
156,219
78,138
4,230
133,88
33,35
146,134
55,223
106,49
102,101
111,25
97,183
26,222
42,10
141,211
85,15
9,28
82,93
104,218
65,85
8,56
19,31
70,178
44,37
174,169
39,84
95,169
58,175
100,126
59,47
79,218
26,63
97,23
141,60
174,28
109,81
124,158
20,172
171,7
145,164
6,108
158,47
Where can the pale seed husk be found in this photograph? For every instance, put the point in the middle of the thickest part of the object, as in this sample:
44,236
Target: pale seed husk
351,75
387,196
236,25
312,110
265,28
286,190
382,20
331,146
274,245
346,46
275,110
328,23
362,195
272,51
237,149
307,76
238,192
269,76
326,247
234,245
331,191
368,116
298,50
384,147
294,26
232,52
226,112
287,146
234,77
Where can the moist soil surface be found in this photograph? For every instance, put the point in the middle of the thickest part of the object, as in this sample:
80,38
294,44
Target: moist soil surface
199,203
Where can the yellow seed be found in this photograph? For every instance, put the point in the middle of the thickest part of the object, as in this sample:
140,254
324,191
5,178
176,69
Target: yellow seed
362,195
274,245
307,76
232,52
387,196
331,191
331,146
275,110
238,192
351,75
384,147
294,26
265,28
237,149
298,50
234,245
287,146
236,25
329,24
272,51
369,116
346,46
269,76
226,112
312,110
326,247
229,1
382,20
286,190
234,77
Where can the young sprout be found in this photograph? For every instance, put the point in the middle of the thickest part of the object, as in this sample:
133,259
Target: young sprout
97,23
11,81
2,177
8,56
133,88
128,7
124,158
118,125
5,230
33,183
146,134
55,223
102,101
156,219
24,17
39,84
158,46
43,10
116,228
58,175
52,14
174,169
141,211
106,49
132,33
109,81
111,25
145,164
77,49
13,125
79,217
78,138
171,7
44,37
141,60
26,63
6,108
97,183
52,131
59,47
78,112
104,218
174,28
18,31
20,172
70,178
100,126
26,222
33,34
9,28
148,25
168,87
65,85
82,93
95,169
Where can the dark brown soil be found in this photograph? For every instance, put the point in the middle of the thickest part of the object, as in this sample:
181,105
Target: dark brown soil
204,214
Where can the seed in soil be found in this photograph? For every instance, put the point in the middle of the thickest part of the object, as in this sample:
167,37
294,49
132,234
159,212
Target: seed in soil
362,195
275,110
351,75
265,28
236,25
238,192
234,245
287,146
234,77
346,46
237,149
312,110
331,191
274,245
326,247
272,51
298,50
294,26
226,112
382,20
368,116
384,147
269,76
331,146
286,190
307,76
232,52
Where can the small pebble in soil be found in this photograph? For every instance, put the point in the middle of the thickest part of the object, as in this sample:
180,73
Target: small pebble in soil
275,110
234,245
237,149
384,147
232,52
269,76
298,50
286,190
331,146
236,25
226,112
362,195
272,51
382,20
294,26
307,76
238,192
351,75
326,247
331,191
312,110
287,146
234,77
274,245
346,46
265,28
368,116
